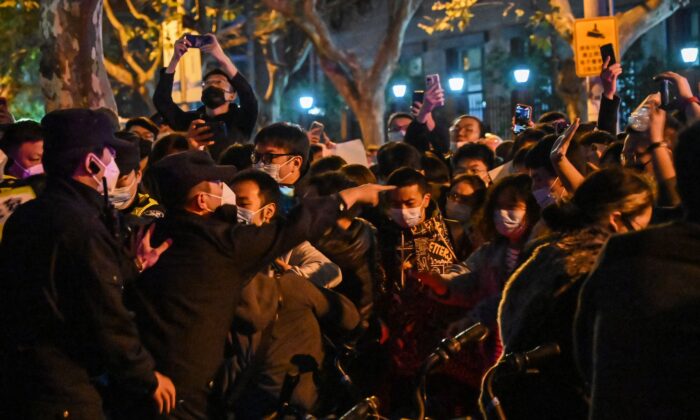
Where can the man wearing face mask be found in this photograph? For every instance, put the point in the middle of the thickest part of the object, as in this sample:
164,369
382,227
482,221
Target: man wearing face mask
62,273
257,200
138,208
282,151
185,304
23,144
221,86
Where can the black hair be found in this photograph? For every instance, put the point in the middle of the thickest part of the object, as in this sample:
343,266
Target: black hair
269,188
238,155
290,137
521,186
396,115
519,158
477,184
600,194
436,171
522,139
612,156
405,177
551,116
128,159
538,156
313,149
503,150
331,182
359,174
597,137
482,127
474,151
168,145
686,158
144,123
20,132
217,71
394,155
326,164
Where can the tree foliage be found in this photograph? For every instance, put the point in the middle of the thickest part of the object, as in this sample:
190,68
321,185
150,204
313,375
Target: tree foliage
19,69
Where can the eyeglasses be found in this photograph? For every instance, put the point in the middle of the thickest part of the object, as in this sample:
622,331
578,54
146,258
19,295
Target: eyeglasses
267,158
218,83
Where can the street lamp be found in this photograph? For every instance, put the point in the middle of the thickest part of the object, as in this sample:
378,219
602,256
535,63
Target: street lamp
399,90
521,75
689,54
456,83
306,102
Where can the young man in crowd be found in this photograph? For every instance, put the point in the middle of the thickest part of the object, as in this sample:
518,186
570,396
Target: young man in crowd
466,129
257,202
221,87
23,143
473,159
62,274
282,151
138,208
185,304
397,125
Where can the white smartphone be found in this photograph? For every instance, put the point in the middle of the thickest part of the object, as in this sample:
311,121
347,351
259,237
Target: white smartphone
432,80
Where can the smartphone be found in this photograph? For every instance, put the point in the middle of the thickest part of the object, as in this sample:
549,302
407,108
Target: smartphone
317,125
432,80
664,86
523,116
417,96
198,41
217,128
606,51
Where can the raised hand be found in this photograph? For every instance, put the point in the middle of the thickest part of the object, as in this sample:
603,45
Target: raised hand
561,146
365,194
609,77
199,135
146,255
165,395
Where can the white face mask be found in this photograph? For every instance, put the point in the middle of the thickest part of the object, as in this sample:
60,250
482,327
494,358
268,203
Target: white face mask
246,216
121,197
21,172
227,197
510,223
406,218
273,169
457,211
111,174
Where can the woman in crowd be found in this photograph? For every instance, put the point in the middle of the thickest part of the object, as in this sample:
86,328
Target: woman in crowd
464,200
539,300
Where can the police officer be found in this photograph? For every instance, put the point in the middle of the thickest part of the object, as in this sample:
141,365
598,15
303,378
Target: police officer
61,276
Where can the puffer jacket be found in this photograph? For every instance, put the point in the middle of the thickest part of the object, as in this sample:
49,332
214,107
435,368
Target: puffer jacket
538,307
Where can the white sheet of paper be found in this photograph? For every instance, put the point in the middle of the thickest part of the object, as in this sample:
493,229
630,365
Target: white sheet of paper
353,152
502,171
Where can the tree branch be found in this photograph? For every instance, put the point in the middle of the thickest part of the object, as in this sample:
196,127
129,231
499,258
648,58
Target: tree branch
123,40
400,14
563,20
118,73
139,15
635,22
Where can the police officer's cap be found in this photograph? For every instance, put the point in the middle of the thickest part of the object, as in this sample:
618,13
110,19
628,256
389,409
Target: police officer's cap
175,175
68,131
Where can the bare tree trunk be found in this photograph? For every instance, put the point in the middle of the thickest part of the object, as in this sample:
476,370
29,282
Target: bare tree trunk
72,69
370,116
362,87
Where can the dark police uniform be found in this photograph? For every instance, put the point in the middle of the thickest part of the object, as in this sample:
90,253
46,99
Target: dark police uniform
63,318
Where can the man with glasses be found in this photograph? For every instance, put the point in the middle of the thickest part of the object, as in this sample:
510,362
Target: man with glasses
220,88
282,151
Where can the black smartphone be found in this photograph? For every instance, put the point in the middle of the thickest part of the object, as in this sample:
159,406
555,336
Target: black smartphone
417,96
217,128
198,41
315,125
664,87
523,116
606,51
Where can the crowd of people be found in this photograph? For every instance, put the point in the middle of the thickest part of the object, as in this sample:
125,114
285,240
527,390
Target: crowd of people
184,265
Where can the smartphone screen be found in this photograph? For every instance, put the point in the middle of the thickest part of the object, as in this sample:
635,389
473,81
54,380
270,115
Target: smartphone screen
606,51
198,41
417,96
523,116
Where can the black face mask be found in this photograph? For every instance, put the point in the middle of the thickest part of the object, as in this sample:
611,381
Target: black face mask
213,97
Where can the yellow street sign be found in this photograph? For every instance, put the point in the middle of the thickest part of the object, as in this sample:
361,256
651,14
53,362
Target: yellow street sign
589,35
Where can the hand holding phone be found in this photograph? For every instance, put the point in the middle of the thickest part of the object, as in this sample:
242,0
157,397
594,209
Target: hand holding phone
608,52
522,118
431,81
316,134
198,41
